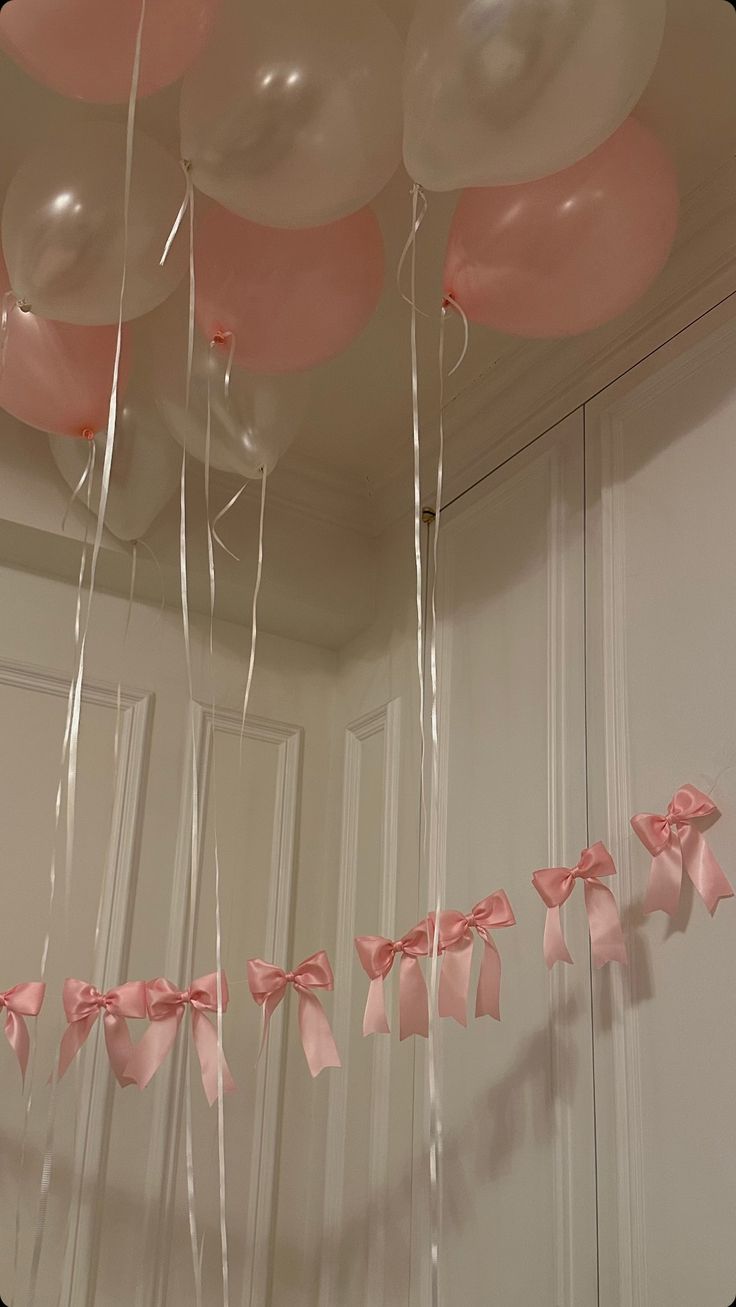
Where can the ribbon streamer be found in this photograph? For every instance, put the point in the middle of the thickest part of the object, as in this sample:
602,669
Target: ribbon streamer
555,885
254,614
377,956
166,1007
676,845
83,1005
456,947
186,204
268,984
24,1000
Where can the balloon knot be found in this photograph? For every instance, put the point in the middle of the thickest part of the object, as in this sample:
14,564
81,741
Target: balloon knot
221,337
23,305
87,433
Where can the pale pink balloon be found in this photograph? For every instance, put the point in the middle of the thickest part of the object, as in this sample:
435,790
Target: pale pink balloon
84,48
290,298
56,376
559,256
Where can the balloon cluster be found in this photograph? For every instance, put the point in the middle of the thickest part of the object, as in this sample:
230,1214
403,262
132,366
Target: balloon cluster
291,122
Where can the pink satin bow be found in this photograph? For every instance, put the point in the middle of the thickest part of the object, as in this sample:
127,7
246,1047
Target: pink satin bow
268,985
21,1001
83,1004
377,958
456,947
166,1007
676,845
556,884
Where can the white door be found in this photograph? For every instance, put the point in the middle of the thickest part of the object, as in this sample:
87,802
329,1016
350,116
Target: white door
117,1224
519,1173
661,568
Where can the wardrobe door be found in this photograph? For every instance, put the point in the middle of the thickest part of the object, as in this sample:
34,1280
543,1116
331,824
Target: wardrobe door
661,576
517,1097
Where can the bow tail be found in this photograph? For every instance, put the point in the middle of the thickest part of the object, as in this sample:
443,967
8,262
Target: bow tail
16,1033
455,981
413,999
318,1041
606,935
204,1034
75,1035
119,1047
706,874
153,1049
555,948
488,993
665,879
375,1021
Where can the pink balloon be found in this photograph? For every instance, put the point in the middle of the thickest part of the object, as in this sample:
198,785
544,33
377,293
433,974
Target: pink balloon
558,256
291,298
85,48
56,376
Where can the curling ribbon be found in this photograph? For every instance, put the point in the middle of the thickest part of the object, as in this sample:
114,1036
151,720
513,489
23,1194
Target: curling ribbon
456,947
268,985
83,1004
21,1001
556,884
377,957
166,1006
676,845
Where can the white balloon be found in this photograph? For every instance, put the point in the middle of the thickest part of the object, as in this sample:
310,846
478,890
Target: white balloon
292,117
252,421
145,467
505,91
63,226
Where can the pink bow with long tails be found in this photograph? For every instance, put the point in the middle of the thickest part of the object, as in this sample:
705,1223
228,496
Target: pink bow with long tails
83,1004
377,957
556,884
268,985
676,845
166,1007
21,1001
456,947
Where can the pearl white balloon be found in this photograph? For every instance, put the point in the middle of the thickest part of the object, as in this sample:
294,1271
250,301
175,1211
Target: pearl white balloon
63,226
145,466
292,117
505,91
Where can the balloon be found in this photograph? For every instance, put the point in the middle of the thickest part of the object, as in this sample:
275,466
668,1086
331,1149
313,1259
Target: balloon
250,426
291,299
55,376
85,48
558,256
145,467
293,116
62,226
505,91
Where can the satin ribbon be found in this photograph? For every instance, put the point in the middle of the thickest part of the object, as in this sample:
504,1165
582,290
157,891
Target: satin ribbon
83,1004
377,956
21,1001
268,985
456,947
556,884
166,1007
676,845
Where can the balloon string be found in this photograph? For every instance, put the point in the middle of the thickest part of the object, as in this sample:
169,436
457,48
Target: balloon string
254,614
450,302
218,914
143,544
436,873
194,819
78,680
86,476
220,338
419,213
185,205
8,303
223,511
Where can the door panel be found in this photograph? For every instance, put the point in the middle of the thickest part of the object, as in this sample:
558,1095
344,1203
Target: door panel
517,1097
661,471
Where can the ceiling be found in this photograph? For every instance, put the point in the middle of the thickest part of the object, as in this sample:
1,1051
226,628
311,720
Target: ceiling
360,412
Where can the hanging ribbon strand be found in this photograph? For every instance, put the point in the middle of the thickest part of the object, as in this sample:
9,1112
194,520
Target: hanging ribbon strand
186,204
254,614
